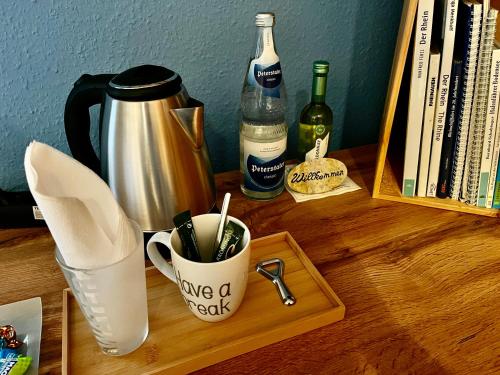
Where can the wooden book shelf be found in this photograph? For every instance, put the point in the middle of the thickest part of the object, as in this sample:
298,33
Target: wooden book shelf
390,156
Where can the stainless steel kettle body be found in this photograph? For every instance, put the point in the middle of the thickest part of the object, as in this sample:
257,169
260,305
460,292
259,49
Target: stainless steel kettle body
152,149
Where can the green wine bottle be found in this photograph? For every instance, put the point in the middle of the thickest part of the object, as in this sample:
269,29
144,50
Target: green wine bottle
315,124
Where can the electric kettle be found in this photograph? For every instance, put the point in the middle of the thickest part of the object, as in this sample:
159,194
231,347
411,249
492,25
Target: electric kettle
152,149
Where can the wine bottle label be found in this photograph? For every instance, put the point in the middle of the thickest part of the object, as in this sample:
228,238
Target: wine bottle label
320,147
264,164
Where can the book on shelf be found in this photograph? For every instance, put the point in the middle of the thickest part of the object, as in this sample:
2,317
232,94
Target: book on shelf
449,129
470,16
420,61
470,183
390,158
490,130
495,164
428,122
496,195
446,19
495,157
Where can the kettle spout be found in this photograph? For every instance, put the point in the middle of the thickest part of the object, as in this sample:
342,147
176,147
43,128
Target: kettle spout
190,119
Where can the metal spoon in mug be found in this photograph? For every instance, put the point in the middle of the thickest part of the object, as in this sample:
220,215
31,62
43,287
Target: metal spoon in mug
223,219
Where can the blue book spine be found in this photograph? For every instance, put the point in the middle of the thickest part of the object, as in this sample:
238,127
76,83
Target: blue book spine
450,130
496,196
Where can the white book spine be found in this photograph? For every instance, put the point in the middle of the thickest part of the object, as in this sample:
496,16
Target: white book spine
470,181
494,168
486,5
450,24
489,134
418,80
430,107
469,77
495,156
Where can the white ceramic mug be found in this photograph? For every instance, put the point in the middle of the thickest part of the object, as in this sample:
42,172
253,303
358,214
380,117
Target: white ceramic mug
213,291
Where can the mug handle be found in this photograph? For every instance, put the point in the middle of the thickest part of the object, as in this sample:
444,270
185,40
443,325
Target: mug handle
154,255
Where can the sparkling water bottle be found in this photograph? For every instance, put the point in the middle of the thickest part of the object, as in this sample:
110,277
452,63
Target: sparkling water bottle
263,130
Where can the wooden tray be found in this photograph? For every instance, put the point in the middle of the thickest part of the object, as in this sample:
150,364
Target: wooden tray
178,342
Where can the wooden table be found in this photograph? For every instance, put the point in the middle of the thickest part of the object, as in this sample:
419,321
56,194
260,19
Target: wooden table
421,285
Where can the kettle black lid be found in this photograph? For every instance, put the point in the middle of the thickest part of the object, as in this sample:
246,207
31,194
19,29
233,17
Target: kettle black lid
145,82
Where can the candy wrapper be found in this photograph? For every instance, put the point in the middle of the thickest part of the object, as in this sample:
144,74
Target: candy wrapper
20,336
12,361
14,364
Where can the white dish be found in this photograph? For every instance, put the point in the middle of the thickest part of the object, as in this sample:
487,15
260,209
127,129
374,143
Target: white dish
26,317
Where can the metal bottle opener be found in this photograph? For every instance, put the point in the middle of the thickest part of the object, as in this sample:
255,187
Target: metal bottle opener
275,275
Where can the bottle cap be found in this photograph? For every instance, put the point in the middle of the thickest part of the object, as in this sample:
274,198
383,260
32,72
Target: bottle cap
321,67
264,19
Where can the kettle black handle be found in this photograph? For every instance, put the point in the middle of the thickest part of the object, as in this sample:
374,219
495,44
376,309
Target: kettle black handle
89,90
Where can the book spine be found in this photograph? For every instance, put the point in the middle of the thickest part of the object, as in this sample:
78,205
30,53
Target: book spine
491,127
475,144
494,161
430,106
496,196
423,29
470,56
494,168
449,132
442,100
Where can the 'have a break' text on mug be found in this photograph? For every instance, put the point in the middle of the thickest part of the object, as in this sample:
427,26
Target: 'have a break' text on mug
212,291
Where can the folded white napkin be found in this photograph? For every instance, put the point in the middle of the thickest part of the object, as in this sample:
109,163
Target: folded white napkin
89,227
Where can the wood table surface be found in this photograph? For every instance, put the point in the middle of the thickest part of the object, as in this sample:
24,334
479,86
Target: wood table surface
421,285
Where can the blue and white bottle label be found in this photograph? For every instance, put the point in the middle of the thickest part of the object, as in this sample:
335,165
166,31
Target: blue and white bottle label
264,165
267,76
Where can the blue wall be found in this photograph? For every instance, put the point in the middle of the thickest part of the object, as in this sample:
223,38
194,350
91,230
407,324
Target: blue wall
46,45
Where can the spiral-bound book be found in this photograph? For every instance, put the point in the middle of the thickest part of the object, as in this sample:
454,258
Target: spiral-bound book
470,183
449,130
470,17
